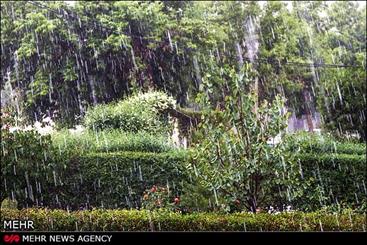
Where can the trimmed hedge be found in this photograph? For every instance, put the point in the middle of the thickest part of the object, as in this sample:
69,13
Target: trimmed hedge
118,180
108,180
113,180
134,220
111,141
335,178
335,148
28,161
313,143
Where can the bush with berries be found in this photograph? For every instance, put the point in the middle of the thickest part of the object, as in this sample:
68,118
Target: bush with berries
159,197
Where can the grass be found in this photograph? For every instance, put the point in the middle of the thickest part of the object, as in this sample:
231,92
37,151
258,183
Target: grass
111,141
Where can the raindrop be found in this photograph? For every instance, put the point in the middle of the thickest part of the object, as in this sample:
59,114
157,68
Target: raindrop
216,198
364,187
339,93
140,174
169,39
54,175
321,228
300,169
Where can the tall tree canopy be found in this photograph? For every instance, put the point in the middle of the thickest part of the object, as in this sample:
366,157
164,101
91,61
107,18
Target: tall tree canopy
57,56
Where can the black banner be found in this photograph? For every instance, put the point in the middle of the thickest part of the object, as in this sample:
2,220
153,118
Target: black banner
177,237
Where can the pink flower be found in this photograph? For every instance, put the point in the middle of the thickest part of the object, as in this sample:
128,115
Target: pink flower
177,200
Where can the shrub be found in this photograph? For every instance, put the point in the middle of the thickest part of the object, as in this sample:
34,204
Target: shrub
159,101
119,179
334,171
36,173
139,112
7,203
334,179
233,158
113,180
328,180
28,166
305,142
110,141
134,220
196,198
159,197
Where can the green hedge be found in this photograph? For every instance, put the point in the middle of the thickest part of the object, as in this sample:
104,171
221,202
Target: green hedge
113,180
334,179
142,111
313,143
28,161
133,220
335,147
111,141
118,180
109,180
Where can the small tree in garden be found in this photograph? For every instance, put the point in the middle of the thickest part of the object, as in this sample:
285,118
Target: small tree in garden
233,157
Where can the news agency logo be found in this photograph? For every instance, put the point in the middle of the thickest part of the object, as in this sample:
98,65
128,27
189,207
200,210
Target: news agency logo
11,238
18,225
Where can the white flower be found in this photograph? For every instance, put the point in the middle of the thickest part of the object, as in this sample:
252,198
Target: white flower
37,125
78,129
12,129
45,130
274,141
46,119
28,128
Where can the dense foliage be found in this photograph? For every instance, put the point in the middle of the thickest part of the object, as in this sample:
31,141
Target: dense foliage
142,112
304,142
110,141
133,220
92,180
71,178
28,166
334,179
233,157
57,56
159,197
137,79
119,179
335,171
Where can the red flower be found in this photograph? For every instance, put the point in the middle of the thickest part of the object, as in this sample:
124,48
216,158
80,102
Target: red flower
154,189
177,200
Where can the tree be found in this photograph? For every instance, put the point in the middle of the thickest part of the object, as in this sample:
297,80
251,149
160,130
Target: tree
67,58
233,157
342,91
